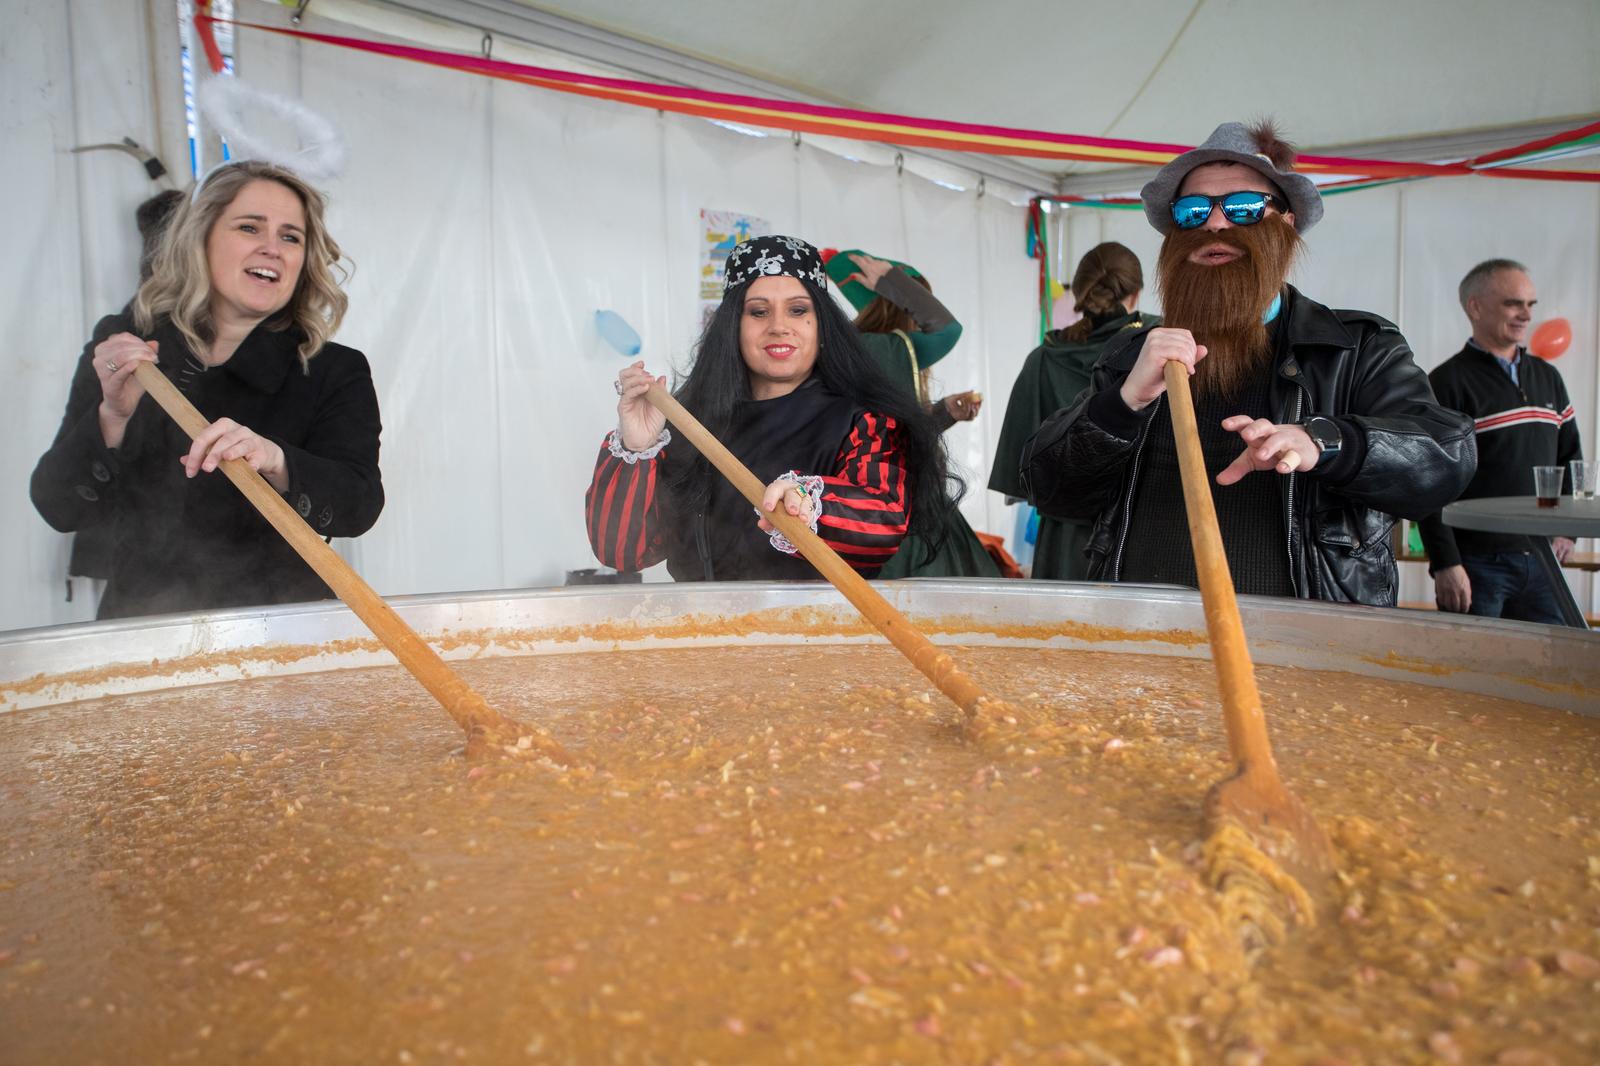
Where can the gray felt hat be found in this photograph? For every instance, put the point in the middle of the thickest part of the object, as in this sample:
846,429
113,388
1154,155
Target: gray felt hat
1231,142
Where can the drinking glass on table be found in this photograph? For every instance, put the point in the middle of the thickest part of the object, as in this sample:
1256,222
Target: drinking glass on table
1585,473
1547,484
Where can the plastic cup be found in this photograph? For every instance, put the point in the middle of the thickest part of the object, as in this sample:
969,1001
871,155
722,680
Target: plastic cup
1547,484
1585,474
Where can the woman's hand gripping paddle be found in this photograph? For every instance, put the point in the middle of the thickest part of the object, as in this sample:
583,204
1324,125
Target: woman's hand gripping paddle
485,727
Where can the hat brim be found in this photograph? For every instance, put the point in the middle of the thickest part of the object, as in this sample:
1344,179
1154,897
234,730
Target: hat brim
1159,192
841,266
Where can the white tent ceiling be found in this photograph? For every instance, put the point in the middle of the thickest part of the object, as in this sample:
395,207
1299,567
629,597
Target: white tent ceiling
1336,73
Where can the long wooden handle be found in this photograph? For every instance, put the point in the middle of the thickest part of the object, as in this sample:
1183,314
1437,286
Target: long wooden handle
1241,701
468,708
935,664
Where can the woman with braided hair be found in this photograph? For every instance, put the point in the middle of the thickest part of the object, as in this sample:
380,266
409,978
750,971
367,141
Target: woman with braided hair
1106,289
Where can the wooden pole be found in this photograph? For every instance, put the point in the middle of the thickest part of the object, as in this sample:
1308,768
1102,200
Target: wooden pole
936,665
481,722
1236,676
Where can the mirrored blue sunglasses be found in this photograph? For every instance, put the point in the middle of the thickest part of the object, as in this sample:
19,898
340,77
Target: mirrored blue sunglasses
1240,208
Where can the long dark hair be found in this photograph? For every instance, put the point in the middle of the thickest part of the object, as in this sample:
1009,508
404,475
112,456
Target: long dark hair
718,380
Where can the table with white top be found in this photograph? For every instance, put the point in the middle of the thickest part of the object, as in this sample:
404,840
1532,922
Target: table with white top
1522,514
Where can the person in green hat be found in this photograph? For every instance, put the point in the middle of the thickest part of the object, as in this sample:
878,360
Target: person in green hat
1105,290
905,329
909,329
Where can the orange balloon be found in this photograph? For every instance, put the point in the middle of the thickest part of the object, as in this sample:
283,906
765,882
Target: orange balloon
1551,338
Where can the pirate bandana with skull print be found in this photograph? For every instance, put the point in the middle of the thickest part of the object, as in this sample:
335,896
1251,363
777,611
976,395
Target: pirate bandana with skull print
767,256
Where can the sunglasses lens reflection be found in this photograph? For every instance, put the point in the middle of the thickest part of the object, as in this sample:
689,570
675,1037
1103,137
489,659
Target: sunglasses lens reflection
1243,208
1191,211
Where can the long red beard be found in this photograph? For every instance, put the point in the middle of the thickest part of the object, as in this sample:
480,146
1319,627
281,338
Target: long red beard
1222,305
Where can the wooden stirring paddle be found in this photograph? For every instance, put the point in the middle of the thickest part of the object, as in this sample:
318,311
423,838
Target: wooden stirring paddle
483,724
935,664
1254,797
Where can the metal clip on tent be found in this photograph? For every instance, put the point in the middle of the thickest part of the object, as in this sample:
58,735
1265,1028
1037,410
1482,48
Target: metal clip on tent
147,159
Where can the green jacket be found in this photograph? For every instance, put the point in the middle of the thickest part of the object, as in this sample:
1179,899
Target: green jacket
1052,377
889,353
937,332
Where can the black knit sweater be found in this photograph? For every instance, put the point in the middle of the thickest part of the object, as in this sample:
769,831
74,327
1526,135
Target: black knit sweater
1249,512
1518,425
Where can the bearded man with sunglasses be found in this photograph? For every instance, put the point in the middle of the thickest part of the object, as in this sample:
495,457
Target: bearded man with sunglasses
1316,424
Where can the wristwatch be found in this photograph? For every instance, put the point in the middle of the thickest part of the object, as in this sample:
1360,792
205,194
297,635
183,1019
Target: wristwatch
1325,432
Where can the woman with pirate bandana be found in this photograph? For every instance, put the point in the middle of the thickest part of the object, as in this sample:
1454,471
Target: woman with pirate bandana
779,376
1317,426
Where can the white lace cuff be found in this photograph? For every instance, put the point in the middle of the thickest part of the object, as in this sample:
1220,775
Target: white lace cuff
809,486
614,446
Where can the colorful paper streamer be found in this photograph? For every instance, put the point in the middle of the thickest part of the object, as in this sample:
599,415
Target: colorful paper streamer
870,125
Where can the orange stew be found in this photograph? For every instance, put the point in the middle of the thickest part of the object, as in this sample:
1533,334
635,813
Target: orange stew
785,855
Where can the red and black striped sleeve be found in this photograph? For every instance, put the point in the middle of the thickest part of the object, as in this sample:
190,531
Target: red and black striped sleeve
623,511
866,502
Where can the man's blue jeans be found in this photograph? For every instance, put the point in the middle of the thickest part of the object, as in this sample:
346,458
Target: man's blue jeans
1511,585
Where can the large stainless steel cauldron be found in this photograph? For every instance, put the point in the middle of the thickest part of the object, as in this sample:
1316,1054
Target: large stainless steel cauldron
1542,665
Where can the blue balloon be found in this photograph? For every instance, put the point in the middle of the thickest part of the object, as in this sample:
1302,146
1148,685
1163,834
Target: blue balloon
617,333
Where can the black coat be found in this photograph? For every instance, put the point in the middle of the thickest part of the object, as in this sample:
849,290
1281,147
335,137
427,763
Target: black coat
1403,453
182,544
804,430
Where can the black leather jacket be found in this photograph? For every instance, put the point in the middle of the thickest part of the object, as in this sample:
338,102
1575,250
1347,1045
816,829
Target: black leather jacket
1403,454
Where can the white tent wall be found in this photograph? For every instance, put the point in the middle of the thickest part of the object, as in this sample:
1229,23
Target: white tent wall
487,222
413,210
70,74
1004,342
1400,251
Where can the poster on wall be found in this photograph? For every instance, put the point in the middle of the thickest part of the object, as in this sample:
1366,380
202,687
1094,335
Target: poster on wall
720,233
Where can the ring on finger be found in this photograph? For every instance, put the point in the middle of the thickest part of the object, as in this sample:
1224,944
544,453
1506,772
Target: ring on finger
618,386
111,366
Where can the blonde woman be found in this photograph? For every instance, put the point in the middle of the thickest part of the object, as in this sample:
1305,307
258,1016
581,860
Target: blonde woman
237,313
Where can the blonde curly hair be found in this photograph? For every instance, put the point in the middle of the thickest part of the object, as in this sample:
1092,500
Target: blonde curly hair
179,286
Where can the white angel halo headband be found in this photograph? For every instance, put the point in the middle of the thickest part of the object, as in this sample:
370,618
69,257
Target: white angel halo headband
223,99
